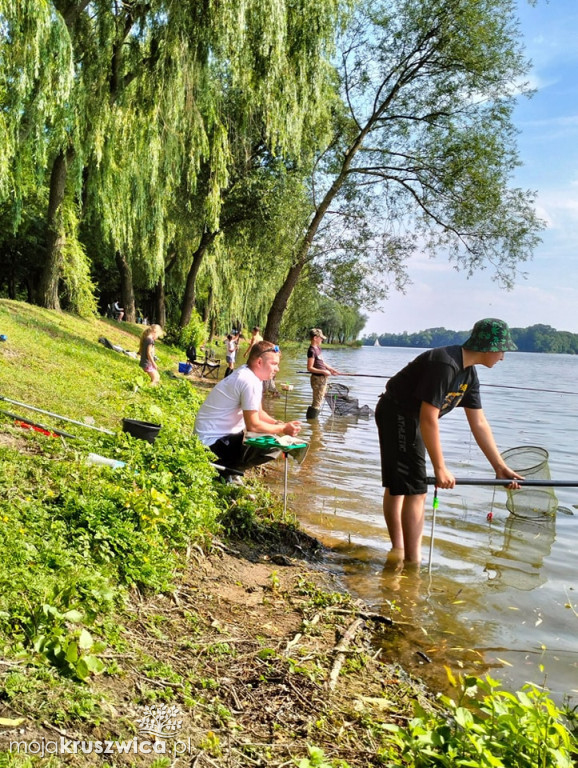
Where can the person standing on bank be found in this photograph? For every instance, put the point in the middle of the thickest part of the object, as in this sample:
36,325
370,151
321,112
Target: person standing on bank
255,339
407,416
147,352
231,345
235,405
319,370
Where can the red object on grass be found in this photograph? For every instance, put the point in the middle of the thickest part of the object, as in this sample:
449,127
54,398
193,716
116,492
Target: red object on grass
42,431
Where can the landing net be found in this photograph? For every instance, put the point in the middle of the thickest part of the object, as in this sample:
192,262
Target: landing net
532,463
342,404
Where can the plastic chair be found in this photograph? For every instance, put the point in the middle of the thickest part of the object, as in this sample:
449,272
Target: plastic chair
211,368
207,368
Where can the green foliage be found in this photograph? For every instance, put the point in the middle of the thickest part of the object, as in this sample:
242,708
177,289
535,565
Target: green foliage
341,321
150,105
79,290
489,728
195,332
317,759
75,537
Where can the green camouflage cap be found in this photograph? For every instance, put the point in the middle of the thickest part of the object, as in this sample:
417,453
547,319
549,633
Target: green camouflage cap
490,335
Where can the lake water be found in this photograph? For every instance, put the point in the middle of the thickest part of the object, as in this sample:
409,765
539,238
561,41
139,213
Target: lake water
502,594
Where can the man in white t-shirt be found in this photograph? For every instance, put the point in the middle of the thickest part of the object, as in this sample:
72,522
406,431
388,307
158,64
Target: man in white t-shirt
235,405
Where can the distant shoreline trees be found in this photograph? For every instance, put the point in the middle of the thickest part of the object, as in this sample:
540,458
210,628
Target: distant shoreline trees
535,338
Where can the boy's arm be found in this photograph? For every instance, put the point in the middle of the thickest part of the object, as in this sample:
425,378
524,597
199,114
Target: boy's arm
430,431
482,433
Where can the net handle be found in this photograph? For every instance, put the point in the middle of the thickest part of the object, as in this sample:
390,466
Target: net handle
503,482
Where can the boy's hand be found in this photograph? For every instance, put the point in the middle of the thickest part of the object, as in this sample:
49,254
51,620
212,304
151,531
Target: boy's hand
506,473
444,478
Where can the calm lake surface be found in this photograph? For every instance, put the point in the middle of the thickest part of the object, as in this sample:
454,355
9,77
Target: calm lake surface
502,594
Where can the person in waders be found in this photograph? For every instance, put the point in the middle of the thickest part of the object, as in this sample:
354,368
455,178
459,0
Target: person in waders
319,370
255,339
407,417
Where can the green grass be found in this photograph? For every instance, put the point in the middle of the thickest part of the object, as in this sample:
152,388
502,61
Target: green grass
74,536
54,361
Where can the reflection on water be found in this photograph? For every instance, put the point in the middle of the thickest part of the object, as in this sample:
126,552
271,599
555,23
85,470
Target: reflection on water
518,563
501,590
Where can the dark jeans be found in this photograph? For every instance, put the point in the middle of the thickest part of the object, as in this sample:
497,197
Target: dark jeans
233,454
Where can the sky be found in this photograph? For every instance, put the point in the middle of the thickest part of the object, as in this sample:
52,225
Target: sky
548,147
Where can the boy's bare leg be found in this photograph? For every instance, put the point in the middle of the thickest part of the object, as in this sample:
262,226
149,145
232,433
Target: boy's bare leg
412,521
392,506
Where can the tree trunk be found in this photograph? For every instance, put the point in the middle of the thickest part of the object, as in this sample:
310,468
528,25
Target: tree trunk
208,306
47,293
280,302
160,303
189,295
126,287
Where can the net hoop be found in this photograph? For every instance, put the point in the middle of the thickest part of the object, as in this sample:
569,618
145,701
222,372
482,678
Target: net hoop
530,461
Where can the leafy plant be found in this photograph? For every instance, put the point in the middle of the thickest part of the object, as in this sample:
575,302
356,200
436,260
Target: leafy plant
73,651
195,333
488,727
316,759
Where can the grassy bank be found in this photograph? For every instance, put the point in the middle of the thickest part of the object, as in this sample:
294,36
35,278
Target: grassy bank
152,589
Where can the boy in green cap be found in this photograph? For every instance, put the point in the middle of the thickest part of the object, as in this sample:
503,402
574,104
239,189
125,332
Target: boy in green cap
407,417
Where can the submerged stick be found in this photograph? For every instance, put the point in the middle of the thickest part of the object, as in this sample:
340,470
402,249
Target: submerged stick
505,482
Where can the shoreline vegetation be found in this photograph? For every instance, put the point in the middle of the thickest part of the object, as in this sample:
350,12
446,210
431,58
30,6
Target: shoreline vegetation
535,338
190,622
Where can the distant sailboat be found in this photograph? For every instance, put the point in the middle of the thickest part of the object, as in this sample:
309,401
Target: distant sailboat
376,343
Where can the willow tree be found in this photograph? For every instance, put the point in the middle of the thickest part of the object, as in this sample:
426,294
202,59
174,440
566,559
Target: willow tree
270,97
263,209
429,89
36,81
148,80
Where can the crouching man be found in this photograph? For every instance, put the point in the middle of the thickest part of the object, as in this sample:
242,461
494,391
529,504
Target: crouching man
234,407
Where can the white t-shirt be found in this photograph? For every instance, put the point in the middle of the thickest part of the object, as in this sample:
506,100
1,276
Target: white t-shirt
231,351
222,412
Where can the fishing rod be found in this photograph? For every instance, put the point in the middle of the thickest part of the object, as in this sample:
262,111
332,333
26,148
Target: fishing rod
43,427
506,482
499,386
56,416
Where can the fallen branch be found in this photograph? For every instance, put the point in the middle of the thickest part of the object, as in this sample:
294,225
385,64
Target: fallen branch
340,649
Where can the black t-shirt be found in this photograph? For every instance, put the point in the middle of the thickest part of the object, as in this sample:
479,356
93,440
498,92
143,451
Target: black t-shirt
437,377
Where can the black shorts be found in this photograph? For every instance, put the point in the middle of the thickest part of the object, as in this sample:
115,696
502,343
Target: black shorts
403,469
